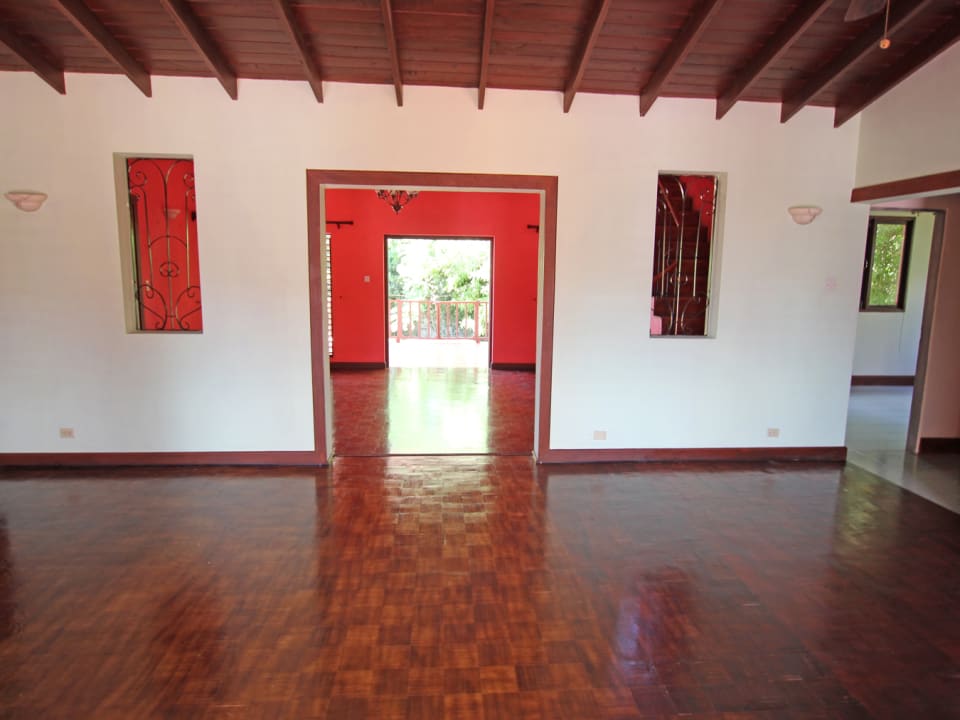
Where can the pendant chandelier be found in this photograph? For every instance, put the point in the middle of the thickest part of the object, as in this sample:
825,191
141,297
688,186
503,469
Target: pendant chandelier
397,199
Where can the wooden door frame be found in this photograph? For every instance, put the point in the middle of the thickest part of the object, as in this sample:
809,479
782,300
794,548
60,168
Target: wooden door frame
319,180
926,317
926,329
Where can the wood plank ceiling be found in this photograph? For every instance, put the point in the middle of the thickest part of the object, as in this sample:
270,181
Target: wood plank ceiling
793,52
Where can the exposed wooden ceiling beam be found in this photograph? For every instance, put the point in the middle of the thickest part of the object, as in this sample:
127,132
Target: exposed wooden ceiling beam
787,34
89,24
190,26
915,59
33,57
485,51
387,12
573,84
292,28
900,15
677,52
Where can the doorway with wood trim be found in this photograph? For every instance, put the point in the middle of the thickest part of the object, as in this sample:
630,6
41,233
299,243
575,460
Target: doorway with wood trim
889,323
541,188
933,431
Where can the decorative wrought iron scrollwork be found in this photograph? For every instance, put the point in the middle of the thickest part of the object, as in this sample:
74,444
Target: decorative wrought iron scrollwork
684,222
163,210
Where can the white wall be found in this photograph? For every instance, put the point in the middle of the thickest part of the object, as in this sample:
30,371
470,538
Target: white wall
887,342
783,352
912,130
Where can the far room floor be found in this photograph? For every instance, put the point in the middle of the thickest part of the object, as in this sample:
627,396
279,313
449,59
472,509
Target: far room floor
433,411
876,441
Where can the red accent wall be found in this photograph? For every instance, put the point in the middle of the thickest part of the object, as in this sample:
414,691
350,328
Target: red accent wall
695,185
359,311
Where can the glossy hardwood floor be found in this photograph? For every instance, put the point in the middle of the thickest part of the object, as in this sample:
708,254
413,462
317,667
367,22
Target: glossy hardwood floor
471,587
424,411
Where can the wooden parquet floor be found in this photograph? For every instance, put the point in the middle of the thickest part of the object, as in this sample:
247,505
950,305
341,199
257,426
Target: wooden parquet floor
467,587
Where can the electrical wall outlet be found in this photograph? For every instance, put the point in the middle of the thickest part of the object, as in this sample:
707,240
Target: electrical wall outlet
67,433
599,434
773,432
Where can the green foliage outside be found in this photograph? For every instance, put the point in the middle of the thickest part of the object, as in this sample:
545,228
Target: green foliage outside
438,269
886,264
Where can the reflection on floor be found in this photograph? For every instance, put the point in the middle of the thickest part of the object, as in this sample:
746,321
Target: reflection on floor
476,588
422,352
876,440
428,411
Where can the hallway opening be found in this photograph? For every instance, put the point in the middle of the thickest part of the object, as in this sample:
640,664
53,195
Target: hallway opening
889,323
901,423
475,390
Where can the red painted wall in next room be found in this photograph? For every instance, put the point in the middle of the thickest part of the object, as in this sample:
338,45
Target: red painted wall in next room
359,311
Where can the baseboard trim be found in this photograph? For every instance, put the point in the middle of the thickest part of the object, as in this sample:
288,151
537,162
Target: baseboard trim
882,380
748,454
939,445
522,367
295,458
358,366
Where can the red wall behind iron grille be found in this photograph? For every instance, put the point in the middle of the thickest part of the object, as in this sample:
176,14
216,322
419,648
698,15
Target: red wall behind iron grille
695,185
359,311
166,243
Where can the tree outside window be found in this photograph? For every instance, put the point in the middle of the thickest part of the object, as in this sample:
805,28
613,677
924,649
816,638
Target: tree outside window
885,266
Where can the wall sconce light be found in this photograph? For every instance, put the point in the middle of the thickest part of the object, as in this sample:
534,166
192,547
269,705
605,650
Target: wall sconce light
804,214
26,200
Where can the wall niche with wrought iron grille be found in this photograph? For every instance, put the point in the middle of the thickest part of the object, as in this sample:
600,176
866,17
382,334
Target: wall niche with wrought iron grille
157,201
684,251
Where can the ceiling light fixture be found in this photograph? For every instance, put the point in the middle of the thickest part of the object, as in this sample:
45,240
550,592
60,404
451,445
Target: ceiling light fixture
885,40
397,199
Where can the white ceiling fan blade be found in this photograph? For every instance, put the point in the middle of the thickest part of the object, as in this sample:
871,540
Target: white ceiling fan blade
860,9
